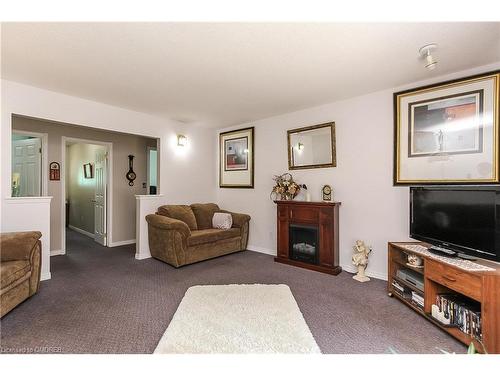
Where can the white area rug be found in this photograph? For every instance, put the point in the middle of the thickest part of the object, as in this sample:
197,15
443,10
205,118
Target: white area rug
238,319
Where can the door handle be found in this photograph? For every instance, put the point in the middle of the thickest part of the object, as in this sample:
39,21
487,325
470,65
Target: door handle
93,201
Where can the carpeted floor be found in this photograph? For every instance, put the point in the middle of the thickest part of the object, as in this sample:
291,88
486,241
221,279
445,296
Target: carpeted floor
103,300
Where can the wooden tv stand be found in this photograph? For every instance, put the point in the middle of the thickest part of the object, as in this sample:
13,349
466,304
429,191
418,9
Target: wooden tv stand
441,277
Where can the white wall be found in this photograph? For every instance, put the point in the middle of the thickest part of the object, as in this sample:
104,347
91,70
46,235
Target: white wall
187,175
21,217
145,204
372,208
122,205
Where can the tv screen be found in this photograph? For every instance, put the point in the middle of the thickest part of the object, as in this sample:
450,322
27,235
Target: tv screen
458,218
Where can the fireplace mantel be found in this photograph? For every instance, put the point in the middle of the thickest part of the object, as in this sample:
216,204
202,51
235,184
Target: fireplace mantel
321,215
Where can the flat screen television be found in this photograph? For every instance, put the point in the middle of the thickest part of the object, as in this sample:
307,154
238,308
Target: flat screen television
460,218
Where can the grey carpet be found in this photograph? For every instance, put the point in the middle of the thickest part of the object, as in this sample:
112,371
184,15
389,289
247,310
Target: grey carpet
103,300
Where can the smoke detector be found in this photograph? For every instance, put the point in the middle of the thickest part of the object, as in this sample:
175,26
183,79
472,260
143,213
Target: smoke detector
426,54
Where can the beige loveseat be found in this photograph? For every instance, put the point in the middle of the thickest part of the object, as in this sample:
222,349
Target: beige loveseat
181,234
19,268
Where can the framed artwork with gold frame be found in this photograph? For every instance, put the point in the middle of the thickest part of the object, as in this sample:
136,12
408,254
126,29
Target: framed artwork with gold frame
236,158
312,147
448,133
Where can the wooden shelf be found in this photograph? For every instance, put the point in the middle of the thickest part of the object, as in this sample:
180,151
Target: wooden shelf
407,302
408,285
440,277
453,331
420,270
442,325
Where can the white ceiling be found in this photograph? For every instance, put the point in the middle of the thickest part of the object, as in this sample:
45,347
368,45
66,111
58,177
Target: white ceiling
223,74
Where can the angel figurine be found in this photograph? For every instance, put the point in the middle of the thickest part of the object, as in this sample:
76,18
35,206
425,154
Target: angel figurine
360,260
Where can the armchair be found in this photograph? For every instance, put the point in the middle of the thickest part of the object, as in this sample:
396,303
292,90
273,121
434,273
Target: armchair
20,264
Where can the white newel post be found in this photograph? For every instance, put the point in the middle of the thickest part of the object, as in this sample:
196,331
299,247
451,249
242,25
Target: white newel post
26,214
145,205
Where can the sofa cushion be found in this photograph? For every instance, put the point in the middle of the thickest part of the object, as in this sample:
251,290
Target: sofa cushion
222,220
180,212
199,237
12,271
204,213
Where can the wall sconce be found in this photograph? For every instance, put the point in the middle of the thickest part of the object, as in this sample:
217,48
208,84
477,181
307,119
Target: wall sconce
300,146
181,140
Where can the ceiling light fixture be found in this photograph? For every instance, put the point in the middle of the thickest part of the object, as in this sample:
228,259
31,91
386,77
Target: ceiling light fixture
426,53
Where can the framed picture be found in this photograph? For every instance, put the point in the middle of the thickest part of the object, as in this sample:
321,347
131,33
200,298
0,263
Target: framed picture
448,133
236,158
88,170
54,171
236,154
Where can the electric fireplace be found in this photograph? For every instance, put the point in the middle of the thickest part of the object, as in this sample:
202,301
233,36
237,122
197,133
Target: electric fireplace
308,235
304,244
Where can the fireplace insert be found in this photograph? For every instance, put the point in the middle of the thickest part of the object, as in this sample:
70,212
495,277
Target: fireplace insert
304,244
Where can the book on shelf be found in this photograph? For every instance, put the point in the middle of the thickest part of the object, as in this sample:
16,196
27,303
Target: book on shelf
401,291
417,298
398,286
460,311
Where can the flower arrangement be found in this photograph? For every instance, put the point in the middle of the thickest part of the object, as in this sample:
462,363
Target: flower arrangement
286,188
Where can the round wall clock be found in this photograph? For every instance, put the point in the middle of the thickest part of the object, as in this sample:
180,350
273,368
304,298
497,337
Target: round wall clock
131,174
327,193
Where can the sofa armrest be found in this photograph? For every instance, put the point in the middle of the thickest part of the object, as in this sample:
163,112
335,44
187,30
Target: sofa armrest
18,245
239,220
167,223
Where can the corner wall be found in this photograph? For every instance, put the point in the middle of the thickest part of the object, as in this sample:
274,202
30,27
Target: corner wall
123,195
372,208
186,175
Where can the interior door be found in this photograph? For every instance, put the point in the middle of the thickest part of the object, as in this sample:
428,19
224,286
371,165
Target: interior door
101,158
26,167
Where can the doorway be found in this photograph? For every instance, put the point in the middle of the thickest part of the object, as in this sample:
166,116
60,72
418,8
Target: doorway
28,164
152,168
87,188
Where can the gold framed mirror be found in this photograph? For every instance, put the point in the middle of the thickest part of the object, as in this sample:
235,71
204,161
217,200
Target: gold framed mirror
312,147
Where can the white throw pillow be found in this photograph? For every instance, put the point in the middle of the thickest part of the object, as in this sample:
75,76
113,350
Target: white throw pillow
222,220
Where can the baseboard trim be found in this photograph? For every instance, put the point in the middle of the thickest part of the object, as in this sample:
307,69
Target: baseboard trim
84,232
57,252
142,256
122,243
376,275
45,276
262,250
346,267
